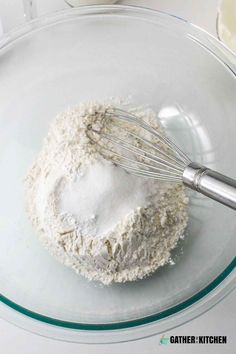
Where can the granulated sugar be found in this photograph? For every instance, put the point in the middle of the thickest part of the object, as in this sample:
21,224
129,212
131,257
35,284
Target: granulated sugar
100,189
92,215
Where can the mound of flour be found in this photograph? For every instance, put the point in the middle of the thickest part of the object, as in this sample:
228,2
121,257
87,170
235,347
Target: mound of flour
92,215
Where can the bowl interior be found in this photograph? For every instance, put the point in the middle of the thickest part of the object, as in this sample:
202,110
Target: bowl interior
94,57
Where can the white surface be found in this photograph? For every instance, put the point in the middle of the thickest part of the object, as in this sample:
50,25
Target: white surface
219,321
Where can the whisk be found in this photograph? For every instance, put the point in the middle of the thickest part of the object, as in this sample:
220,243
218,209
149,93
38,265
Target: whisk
161,159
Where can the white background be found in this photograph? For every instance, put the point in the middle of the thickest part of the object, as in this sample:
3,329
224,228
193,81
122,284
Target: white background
221,320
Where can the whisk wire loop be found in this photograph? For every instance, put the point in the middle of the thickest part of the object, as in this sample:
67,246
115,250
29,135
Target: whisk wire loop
155,156
141,153
154,147
127,116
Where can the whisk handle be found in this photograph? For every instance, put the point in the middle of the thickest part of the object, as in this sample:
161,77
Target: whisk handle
211,183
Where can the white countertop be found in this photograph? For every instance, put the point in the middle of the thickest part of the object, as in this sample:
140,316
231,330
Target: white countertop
221,320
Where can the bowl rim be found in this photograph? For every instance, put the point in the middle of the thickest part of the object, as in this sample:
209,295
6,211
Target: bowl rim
131,323
228,275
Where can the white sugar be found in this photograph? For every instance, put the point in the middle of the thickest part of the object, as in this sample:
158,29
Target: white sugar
103,192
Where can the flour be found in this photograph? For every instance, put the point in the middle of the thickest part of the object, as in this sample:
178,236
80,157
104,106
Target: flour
93,216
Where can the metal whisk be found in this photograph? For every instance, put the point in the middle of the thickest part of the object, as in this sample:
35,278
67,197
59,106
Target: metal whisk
161,159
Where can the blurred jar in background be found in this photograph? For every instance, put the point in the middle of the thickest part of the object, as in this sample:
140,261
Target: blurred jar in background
226,23
16,12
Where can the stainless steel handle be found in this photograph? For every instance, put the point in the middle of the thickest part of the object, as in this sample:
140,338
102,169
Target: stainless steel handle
211,183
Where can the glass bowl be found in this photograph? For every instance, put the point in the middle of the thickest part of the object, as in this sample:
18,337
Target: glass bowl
155,59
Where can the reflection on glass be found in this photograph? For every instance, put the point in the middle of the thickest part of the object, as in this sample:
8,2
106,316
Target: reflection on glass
29,9
188,132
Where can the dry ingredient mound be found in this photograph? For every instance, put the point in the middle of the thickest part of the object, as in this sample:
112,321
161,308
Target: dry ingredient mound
92,215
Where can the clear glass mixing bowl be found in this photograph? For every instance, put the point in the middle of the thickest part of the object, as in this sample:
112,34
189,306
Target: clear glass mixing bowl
188,78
